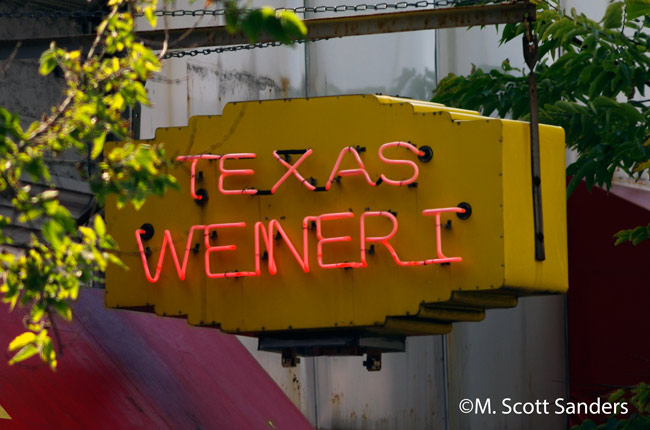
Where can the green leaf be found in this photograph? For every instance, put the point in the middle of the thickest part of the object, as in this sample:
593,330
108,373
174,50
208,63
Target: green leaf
100,226
48,61
252,25
63,309
638,235
637,8
22,340
53,231
98,146
598,84
614,396
293,26
24,354
273,26
37,312
232,17
555,30
149,14
613,15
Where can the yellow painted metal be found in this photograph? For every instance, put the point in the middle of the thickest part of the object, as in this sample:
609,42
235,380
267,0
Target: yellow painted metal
478,160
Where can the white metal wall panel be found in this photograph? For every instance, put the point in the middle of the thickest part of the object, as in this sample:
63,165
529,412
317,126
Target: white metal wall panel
204,84
394,64
408,393
515,353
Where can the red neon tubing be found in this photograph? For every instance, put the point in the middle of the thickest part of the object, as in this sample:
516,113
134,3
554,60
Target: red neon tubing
167,241
210,249
325,240
235,172
349,172
441,257
383,240
292,169
195,160
411,148
302,261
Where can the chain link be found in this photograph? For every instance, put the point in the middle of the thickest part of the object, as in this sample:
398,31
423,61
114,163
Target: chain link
298,10
235,48
54,14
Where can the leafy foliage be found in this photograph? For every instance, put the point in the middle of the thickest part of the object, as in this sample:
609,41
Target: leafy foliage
100,85
284,25
588,76
634,235
638,397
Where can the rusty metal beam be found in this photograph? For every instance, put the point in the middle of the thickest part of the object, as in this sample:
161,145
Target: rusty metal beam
322,28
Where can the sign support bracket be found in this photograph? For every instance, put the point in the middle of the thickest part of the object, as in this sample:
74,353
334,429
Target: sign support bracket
530,55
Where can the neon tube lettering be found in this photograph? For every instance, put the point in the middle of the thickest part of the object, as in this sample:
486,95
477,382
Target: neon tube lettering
235,172
195,160
167,241
437,212
292,170
411,148
324,240
209,249
383,240
302,261
349,172
260,230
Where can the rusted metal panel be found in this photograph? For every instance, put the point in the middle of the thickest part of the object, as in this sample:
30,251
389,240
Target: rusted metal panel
408,393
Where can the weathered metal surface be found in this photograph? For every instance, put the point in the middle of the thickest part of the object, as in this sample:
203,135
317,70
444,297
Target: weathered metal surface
122,369
408,393
324,28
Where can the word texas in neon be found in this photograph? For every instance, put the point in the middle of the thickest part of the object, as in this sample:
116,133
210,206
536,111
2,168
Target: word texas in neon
348,152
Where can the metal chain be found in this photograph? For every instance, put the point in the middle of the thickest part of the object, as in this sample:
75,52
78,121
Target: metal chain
54,14
220,12
235,48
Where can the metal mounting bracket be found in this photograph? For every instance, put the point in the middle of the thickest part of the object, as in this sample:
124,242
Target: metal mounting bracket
530,55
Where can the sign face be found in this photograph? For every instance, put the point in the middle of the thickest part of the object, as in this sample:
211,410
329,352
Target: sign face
339,212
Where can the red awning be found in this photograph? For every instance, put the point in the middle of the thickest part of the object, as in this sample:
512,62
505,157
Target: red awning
608,294
123,369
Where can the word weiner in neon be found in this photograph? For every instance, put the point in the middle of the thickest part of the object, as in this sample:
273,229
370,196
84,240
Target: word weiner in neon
266,235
